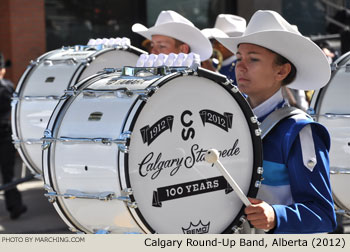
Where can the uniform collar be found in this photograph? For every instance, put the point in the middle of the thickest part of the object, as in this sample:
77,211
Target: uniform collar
274,102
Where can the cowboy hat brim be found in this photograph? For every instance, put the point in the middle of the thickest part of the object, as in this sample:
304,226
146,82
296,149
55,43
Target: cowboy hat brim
211,33
313,70
192,36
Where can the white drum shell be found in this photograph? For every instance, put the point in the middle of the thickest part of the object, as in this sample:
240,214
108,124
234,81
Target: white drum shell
44,82
332,109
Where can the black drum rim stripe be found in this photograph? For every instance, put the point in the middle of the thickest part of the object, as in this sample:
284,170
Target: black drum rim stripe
257,153
58,119
126,155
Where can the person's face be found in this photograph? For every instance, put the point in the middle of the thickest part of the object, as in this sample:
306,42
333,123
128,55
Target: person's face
2,72
257,74
164,44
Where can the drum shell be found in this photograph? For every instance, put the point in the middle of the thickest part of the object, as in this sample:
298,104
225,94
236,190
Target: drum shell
96,168
45,81
330,107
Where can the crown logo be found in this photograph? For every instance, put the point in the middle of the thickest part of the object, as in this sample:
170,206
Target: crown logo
200,228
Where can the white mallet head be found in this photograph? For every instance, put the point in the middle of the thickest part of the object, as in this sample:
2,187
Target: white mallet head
212,156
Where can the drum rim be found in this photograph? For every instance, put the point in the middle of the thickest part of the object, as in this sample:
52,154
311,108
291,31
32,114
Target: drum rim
256,141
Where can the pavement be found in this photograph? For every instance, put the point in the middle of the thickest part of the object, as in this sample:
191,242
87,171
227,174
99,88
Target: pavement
41,217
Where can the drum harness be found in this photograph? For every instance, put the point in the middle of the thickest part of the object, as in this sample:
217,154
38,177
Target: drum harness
276,117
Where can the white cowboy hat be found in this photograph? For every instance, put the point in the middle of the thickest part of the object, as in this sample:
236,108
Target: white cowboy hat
170,23
228,24
214,33
270,30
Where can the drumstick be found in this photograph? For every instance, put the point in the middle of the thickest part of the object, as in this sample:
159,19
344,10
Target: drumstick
212,156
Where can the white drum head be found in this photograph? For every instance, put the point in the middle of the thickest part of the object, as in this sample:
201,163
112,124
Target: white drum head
176,191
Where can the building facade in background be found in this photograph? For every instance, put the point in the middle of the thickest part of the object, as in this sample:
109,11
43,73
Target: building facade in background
29,28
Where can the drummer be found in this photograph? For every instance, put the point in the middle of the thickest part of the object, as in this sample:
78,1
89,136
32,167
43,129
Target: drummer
172,33
295,196
226,25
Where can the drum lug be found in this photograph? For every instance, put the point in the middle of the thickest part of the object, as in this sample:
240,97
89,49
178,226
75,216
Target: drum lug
71,91
257,184
132,205
260,170
87,61
236,229
144,94
258,132
242,219
254,119
228,82
50,193
16,142
47,139
235,89
127,192
311,111
34,63
123,146
14,99
186,71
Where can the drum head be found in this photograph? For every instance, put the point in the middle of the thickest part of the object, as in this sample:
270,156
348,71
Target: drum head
175,189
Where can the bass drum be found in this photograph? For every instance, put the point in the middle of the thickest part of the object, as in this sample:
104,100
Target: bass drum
331,107
126,154
43,84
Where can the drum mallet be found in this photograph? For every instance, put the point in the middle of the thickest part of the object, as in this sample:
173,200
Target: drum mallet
212,157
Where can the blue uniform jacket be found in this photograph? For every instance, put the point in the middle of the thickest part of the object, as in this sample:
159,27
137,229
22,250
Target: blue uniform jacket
310,208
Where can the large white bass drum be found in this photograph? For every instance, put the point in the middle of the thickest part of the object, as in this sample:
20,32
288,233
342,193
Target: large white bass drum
126,153
44,82
331,107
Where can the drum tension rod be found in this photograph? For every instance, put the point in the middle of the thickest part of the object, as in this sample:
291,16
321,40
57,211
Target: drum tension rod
342,212
121,141
76,194
15,98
